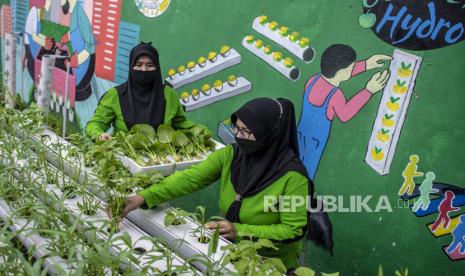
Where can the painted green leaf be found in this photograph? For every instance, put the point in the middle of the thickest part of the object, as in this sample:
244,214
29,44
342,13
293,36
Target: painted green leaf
393,100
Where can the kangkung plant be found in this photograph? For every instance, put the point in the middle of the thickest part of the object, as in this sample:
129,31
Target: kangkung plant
201,230
244,256
176,217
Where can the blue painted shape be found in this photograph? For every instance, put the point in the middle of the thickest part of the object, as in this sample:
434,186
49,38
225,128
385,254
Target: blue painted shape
19,11
128,38
458,201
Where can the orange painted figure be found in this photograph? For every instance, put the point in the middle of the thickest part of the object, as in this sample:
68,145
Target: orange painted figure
445,207
409,173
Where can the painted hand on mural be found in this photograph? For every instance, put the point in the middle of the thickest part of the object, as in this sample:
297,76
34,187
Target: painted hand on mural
74,61
377,61
378,81
65,38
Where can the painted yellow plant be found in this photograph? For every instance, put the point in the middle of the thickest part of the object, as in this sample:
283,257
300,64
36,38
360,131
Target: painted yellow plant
383,135
387,120
400,87
377,154
404,71
393,104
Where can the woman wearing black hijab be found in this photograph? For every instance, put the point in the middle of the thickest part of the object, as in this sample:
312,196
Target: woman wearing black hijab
261,167
142,99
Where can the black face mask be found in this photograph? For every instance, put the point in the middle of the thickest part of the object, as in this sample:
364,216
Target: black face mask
249,146
65,8
144,78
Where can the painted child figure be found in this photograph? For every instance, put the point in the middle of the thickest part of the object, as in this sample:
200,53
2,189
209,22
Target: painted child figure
445,207
459,237
426,188
409,173
323,99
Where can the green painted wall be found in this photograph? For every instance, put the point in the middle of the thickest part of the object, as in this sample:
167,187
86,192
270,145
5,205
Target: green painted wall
434,127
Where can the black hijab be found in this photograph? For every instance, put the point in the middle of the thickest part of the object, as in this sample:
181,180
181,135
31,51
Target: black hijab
252,173
273,124
142,97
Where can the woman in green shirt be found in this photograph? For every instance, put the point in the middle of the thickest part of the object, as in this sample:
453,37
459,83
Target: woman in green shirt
264,162
142,99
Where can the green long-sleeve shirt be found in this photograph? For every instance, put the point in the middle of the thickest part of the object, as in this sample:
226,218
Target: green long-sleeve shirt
109,113
254,220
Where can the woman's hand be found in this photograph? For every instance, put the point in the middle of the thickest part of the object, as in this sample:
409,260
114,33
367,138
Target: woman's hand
104,137
226,228
132,203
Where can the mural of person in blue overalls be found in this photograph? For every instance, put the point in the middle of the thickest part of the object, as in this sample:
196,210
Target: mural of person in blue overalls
83,44
323,99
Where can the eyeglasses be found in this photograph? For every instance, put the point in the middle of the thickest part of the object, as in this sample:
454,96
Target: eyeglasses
245,132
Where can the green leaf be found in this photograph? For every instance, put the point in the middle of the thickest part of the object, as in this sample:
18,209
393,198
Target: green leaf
144,129
380,270
169,219
330,274
264,243
384,131
242,266
127,239
165,134
213,245
180,139
387,116
278,264
197,130
304,271
138,141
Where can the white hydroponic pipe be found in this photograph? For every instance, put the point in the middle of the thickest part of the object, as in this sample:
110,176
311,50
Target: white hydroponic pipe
10,72
45,82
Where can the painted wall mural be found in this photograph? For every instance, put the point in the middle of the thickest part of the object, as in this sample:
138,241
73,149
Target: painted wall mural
416,25
89,36
439,202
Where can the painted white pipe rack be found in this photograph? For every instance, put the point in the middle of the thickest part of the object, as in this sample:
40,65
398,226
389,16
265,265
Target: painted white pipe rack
392,111
227,91
307,53
210,68
291,73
